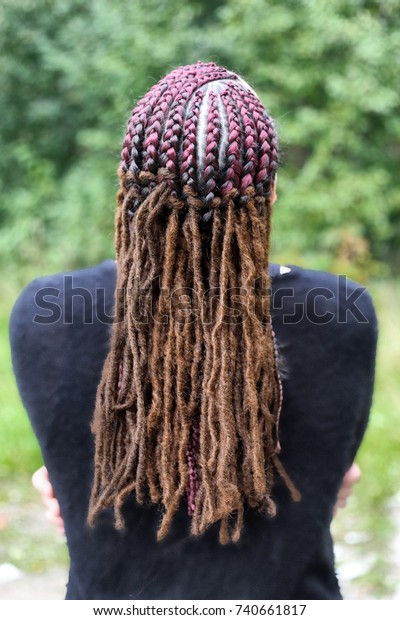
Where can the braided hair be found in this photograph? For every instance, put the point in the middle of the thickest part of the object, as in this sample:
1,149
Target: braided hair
188,404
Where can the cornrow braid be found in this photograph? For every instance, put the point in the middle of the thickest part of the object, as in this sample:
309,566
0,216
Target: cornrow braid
172,137
210,164
233,164
190,395
153,134
250,155
188,156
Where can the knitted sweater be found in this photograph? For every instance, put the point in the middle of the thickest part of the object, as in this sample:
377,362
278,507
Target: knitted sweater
326,331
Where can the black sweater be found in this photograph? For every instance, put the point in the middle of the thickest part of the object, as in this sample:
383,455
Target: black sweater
326,329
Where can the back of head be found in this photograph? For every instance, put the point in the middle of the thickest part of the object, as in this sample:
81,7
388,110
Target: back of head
189,399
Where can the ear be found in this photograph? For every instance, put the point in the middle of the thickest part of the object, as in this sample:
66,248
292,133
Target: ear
274,195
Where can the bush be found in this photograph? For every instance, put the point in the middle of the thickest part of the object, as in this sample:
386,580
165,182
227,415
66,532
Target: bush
71,71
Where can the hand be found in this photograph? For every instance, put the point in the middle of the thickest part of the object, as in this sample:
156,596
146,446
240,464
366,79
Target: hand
351,477
42,484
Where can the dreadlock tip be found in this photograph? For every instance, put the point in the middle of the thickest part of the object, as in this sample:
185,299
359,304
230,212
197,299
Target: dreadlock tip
297,497
161,535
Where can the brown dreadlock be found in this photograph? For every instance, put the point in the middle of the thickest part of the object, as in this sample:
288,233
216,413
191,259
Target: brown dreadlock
189,396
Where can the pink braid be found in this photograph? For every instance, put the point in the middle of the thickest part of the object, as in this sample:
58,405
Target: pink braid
268,142
210,173
153,134
188,157
234,160
171,139
250,155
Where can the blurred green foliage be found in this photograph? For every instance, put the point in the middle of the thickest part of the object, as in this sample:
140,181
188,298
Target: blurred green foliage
71,70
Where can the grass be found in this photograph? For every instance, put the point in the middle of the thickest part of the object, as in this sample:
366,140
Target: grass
26,539
368,510
19,453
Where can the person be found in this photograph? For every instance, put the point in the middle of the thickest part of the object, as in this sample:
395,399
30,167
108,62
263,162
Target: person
233,394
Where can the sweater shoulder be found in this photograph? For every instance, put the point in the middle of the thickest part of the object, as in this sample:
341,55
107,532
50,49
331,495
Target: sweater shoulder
323,298
44,300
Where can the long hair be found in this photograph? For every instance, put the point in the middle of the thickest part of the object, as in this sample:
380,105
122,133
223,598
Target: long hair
188,404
